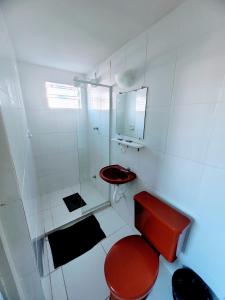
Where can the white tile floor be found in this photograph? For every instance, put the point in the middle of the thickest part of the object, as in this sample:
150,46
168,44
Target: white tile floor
83,278
54,211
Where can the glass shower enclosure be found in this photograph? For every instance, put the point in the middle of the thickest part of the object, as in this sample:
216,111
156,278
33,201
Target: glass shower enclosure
93,136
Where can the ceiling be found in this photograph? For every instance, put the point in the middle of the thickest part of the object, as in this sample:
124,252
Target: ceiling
76,35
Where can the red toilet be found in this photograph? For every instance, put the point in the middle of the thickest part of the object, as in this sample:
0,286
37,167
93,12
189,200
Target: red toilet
132,264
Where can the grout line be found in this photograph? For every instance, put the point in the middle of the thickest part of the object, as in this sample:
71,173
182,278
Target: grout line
185,158
209,141
125,222
64,281
177,104
154,106
172,102
117,230
115,233
194,161
103,248
49,275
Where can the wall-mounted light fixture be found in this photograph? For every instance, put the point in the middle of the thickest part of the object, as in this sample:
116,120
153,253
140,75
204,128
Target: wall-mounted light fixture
126,78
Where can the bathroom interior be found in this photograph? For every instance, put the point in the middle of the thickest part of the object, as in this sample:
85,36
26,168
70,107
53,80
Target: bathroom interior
112,150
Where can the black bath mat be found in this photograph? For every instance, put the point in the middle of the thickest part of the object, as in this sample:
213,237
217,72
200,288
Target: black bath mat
74,201
71,242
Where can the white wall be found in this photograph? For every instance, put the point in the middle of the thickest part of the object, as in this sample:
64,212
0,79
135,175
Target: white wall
14,232
54,139
183,160
18,196
14,117
7,285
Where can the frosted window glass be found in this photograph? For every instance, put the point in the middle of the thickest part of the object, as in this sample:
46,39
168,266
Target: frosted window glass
62,95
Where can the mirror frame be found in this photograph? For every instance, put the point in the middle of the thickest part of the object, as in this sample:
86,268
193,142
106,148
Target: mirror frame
144,127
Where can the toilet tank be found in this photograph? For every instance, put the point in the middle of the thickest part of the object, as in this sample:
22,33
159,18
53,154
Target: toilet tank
161,225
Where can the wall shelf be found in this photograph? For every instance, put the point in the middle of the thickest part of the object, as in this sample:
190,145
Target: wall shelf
127,143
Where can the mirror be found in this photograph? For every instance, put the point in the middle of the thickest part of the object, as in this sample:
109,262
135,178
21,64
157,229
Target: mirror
130,113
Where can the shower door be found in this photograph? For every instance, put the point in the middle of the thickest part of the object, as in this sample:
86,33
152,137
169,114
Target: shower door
93,136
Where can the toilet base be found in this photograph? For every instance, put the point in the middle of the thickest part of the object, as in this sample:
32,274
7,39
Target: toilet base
111,297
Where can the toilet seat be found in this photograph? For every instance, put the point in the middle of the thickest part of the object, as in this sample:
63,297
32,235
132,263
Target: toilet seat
131,268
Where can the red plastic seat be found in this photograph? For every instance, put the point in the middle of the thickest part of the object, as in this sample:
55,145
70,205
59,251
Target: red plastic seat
131,268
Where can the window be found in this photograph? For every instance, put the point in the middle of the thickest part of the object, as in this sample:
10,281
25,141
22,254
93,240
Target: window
62,95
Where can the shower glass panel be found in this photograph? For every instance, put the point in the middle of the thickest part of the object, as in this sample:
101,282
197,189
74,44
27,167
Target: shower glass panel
17,264
93,145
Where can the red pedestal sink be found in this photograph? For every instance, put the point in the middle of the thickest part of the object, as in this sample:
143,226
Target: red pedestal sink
116,174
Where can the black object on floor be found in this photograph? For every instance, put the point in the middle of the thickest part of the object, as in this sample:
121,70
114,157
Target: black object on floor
74,201
187,285
71,242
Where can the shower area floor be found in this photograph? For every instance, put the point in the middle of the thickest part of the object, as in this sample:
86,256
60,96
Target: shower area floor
54,212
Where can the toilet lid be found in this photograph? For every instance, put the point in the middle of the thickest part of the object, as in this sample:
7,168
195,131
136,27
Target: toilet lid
131,268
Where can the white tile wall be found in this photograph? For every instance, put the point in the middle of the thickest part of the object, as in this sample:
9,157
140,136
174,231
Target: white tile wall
200,70
160,72
178,181
208,232
189,131
7,284
18,183
157,124
216,149
54,138
14,119
183,159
